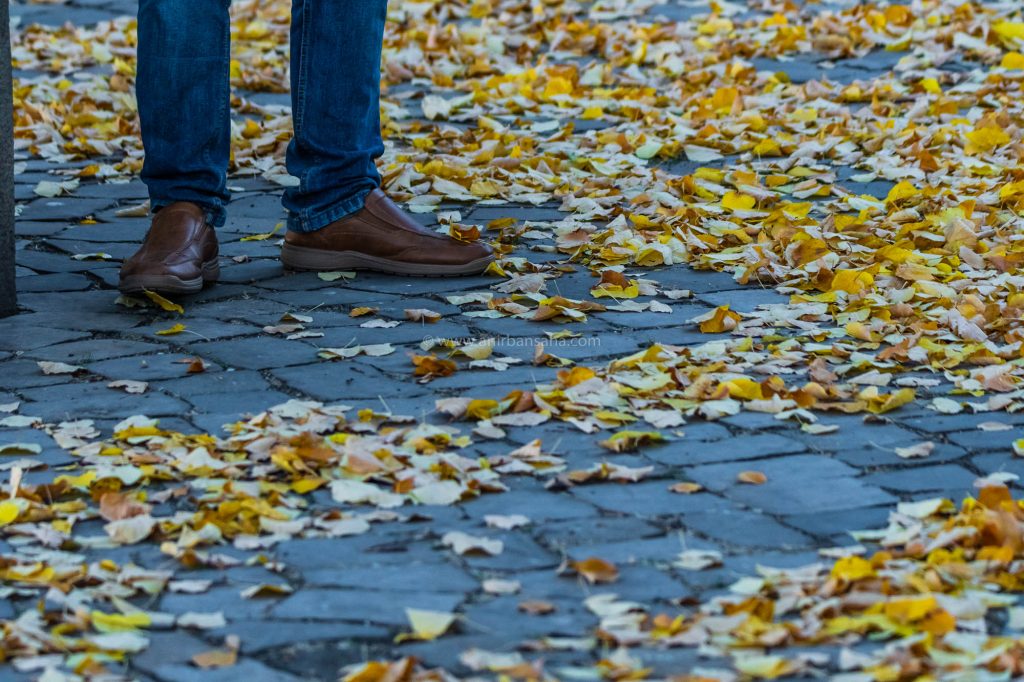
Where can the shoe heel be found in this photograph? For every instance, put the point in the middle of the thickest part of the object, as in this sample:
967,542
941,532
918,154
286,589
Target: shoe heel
211,272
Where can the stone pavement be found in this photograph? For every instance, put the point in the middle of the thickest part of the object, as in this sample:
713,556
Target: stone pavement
351,593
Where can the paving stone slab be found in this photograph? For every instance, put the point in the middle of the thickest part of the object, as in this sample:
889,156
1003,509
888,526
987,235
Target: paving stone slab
647,499
17,374
94,400
438,577
735,527
796,484
262,352
258,636
54,283
26,337
879,456
150,367
922,479
361,606
831,523
980,441
341,380
686,452
92,350
569,533
537,505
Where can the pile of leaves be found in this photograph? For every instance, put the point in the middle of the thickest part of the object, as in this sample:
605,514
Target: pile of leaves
192,494
934,601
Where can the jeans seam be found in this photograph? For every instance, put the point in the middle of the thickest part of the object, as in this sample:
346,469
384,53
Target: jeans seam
224,99
298,119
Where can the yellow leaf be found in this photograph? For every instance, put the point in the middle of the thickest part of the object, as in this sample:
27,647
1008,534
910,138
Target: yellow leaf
984,139
625,441
909,610
426,625
615,291
744,389
721,319
9,511
859,330
852,568
171,331
169,306
119,622
852,281
1009,30
305,485
82,482
902,190
1012,60
558,86
767,147
735,201
892,401
264,236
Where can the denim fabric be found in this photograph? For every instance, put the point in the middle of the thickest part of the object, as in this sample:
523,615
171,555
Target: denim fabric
184,105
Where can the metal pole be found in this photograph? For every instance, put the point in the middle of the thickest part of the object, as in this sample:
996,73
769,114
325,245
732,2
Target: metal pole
8,296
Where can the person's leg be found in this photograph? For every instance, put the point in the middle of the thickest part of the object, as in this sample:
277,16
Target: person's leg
339,218
184,94
335,62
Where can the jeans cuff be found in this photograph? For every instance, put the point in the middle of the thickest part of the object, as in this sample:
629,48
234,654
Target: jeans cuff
303,222
215,215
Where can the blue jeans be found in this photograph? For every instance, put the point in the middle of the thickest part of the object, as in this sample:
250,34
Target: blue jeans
184,91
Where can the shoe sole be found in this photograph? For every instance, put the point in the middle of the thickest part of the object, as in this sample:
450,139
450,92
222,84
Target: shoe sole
169,284
318,260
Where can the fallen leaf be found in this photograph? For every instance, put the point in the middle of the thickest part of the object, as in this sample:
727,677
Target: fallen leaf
165,304
58,368
421,315
751,477
427,625
596,570
463,544
537,607
129,386
915,451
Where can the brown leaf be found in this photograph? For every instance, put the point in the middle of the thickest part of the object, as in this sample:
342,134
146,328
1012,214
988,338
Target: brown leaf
422,315
115,506
752,477
216,658
431,366
596,570
537,607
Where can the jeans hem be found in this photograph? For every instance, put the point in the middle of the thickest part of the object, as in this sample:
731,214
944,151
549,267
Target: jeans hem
215,215
298,222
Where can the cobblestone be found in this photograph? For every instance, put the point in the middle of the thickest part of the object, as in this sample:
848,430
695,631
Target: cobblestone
351,593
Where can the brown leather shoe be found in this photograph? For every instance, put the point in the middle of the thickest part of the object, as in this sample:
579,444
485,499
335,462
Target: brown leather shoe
178,256
382,237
